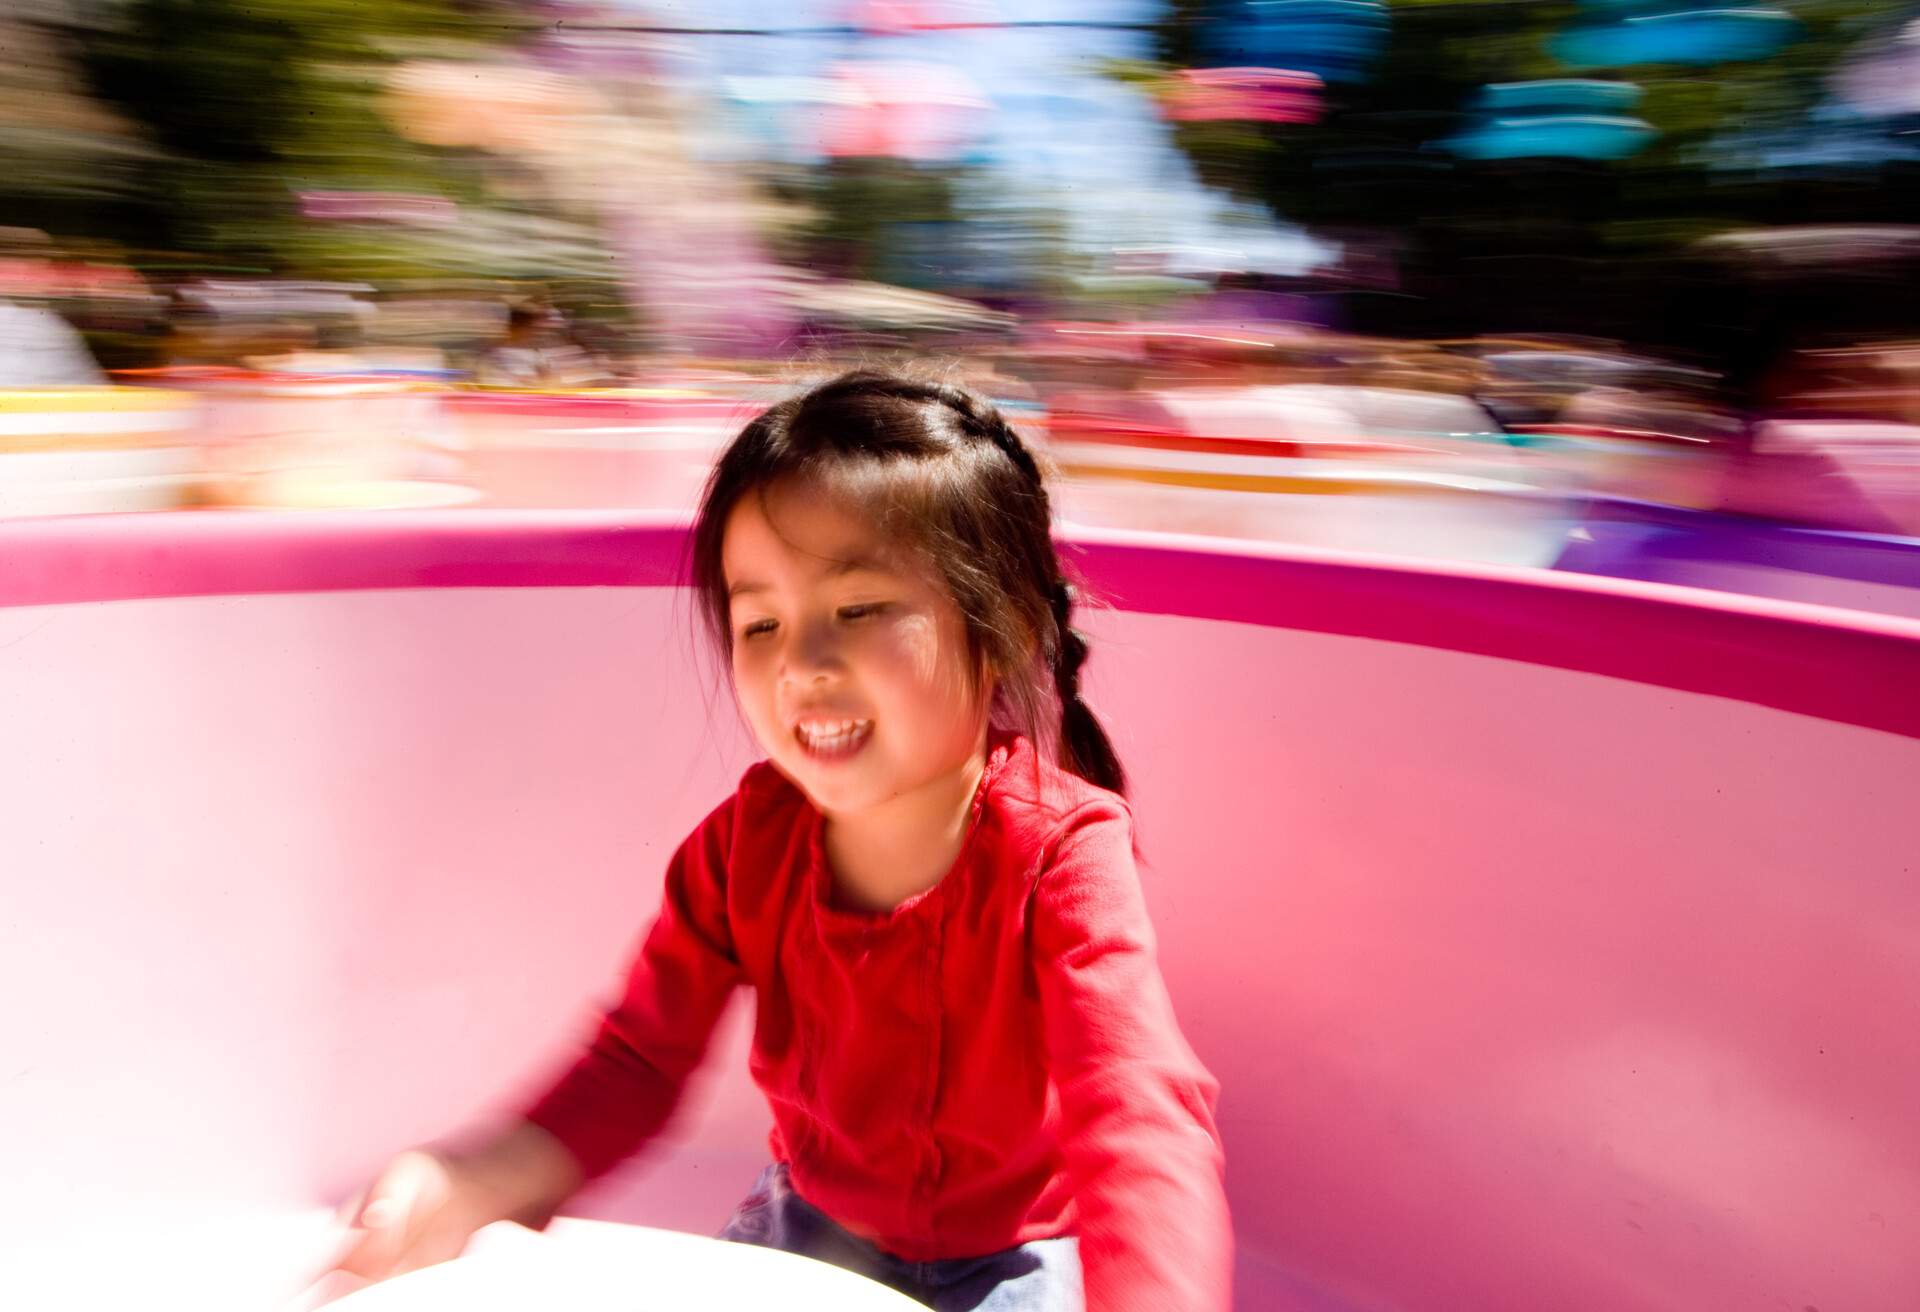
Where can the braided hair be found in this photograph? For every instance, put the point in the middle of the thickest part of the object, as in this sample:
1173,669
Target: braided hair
942,472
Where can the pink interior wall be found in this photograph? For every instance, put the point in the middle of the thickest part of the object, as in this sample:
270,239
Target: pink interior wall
1537,971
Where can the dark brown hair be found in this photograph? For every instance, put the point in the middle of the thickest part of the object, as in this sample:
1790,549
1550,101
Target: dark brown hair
942,473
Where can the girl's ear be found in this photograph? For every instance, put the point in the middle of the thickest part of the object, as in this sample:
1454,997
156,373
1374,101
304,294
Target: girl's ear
986,678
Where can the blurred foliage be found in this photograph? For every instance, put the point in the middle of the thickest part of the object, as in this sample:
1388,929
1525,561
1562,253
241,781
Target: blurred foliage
246,81
934,227
1544,244
70,159
857,205
248,103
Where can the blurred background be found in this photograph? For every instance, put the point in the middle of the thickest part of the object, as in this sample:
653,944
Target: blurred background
1616,286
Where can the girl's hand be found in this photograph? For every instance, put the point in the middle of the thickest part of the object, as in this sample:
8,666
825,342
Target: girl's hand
422,1209
426,1204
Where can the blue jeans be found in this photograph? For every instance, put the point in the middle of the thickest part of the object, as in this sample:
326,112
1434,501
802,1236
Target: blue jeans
1043,1276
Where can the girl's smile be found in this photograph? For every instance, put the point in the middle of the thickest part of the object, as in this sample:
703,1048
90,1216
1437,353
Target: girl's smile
832,740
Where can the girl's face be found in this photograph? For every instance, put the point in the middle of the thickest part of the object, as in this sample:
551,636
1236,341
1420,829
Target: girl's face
850,661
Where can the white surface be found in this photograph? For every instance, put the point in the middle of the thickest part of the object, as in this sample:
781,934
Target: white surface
193,1253
587,1266
92,481
201,1256
1421,522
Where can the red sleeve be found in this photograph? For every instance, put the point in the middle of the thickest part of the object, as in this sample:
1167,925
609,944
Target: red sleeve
1139,1135
621,1091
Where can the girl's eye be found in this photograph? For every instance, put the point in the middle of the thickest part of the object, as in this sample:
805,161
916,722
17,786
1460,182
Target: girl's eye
757,628
861,612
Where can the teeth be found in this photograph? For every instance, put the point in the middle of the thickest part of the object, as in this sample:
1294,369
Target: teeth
830,733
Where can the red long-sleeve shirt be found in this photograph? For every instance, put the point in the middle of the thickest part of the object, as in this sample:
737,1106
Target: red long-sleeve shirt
992,1062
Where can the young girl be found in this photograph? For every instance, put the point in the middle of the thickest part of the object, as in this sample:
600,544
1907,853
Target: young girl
980,1095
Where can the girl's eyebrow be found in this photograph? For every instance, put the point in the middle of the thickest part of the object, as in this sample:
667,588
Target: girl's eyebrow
856,565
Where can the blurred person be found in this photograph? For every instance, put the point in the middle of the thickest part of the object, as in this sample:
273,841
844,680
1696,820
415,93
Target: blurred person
980,1093
1827,445
538,351
1651,409
198,334
40,349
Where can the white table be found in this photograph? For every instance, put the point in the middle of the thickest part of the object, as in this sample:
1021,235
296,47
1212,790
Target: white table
596,1266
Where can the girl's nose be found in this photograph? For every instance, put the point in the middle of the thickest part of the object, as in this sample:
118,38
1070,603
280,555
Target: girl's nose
813,656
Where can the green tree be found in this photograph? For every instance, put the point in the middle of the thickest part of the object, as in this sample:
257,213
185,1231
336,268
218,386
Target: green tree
248,102
1542,243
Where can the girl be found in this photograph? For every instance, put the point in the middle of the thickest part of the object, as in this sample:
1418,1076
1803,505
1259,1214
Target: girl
979,1092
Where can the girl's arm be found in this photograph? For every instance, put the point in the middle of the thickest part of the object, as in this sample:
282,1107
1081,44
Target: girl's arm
621,1091
428,1202
1139,1134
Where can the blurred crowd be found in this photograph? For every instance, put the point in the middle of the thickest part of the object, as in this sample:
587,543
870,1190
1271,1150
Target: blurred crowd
1380,275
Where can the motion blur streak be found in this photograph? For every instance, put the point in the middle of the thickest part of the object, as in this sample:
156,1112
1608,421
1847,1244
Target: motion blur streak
1615,285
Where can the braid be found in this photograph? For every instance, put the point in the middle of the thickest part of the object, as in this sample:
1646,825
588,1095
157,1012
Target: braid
1084,746
1070,651
1068,648
987,421
1084,743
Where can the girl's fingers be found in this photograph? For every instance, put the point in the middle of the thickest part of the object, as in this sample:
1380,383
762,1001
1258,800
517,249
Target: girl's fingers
382,1219
384,1213
443,1240
370,1254
412,1178
405,1222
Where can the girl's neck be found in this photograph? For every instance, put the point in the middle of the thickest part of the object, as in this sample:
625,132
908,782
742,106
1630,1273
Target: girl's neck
882,856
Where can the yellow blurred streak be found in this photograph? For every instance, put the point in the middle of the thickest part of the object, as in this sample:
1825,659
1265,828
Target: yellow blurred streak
1403,485
94,419
92,400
